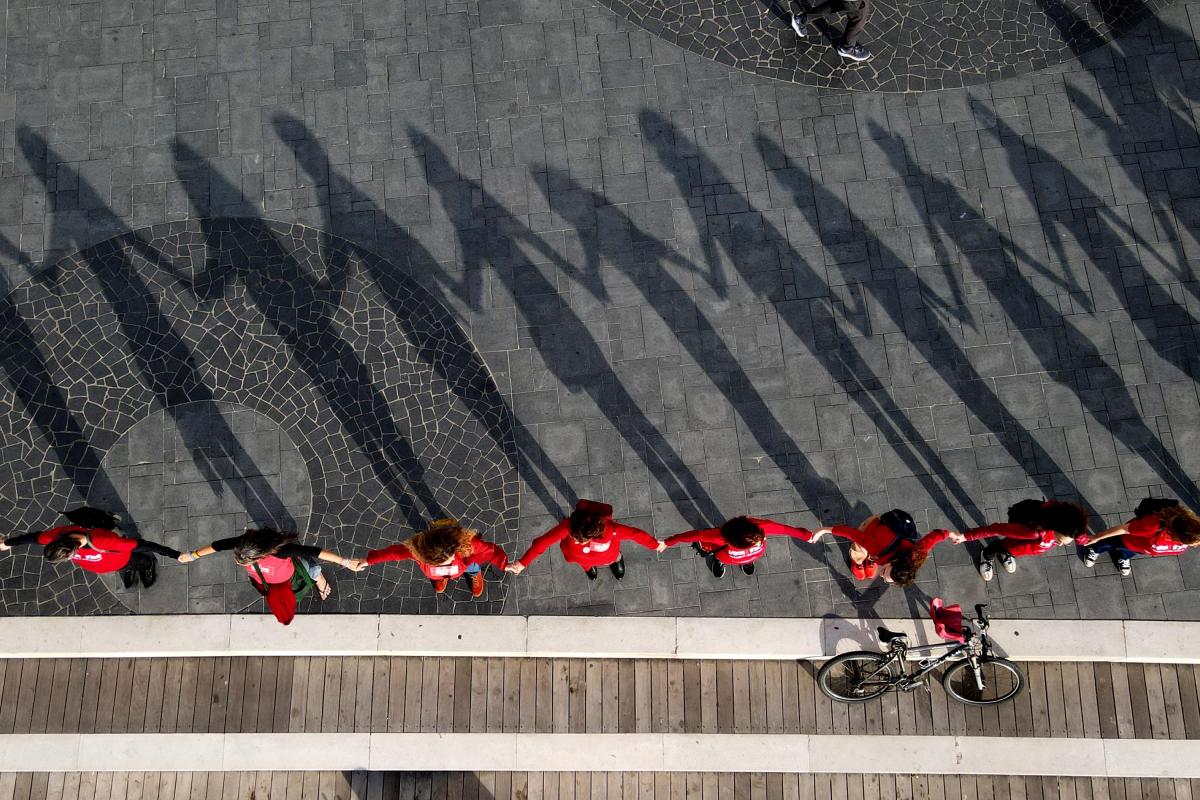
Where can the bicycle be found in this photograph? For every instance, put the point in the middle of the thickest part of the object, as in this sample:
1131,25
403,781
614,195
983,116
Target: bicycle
975,676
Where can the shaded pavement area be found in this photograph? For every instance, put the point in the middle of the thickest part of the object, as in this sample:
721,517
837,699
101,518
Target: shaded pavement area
352,266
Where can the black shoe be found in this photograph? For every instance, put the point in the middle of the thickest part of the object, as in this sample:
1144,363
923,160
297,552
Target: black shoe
747,569
591,572
128,577
618,568
718,569
148,574
696,546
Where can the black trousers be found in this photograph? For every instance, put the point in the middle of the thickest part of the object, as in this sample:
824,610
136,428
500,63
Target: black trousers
857,13
138,562
994,549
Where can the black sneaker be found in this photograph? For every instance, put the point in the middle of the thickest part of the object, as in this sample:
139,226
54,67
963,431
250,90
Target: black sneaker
855,53
618,568
128,577
718,569
696,546
747,569
800,25
148,573
1090,557
591,572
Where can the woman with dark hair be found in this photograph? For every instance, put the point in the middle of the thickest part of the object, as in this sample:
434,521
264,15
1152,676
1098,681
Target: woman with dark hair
278,567
1159,528
443,551
887,545
1034,527
98,550
740,541
589,538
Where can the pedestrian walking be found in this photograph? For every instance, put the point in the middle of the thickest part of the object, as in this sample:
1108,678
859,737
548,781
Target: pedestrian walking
857,13
888,546
1159,527
590,539
741,541
96,549
1034,527
282,570
443,551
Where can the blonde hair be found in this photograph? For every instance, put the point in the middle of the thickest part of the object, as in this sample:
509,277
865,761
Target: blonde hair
441,541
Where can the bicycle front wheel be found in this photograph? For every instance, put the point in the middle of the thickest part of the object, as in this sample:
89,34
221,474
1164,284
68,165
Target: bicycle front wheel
996,681
856,677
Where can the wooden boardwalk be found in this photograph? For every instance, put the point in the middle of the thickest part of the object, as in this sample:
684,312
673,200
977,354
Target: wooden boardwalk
477,695
574,786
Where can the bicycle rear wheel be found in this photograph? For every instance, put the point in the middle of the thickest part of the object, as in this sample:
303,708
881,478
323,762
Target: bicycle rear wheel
1001,681
857,677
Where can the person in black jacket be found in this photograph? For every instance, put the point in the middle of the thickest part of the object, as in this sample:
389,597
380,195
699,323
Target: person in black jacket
272,557
98,550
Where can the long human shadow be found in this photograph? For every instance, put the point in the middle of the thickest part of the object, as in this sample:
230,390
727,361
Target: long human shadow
1021,302
163,359
562,339
843,362
44,402
1127,127
935,342
301,309
470,383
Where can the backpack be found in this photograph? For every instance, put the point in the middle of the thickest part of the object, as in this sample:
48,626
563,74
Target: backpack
900,523
88,517
1026,512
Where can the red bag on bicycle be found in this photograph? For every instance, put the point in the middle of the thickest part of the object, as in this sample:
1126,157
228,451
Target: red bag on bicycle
947,620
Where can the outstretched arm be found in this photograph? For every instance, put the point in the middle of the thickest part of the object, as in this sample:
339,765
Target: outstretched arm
707,535
540,545
773,528
1008,530
638,535
1116,530
18,541
144,546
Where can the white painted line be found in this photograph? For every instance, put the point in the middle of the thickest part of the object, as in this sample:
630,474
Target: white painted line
547,637
508,752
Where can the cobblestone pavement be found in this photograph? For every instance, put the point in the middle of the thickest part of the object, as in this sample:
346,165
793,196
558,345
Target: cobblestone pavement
697,293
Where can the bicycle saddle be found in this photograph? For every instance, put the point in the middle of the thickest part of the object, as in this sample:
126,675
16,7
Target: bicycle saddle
886,636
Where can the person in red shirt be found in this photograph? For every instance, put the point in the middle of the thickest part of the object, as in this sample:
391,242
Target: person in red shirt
1033,528
887,545
589,538
98,550
277,566
1157,529
740,541
443,551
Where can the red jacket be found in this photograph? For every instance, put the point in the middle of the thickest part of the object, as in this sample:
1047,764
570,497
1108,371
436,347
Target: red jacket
1148,537
598,552
877,538
712,541
1019,540
482,553
108,551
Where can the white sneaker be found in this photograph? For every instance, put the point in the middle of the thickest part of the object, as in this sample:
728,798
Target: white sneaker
800,25
985,570
1124,567
855,53
1090,557
1008,562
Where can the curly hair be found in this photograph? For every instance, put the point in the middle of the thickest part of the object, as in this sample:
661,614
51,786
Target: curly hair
1067,519
258,543
441,541
906,564
61,548
742,532
585,525
1182,524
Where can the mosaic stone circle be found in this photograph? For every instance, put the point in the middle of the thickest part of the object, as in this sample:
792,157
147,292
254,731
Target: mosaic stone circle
242,372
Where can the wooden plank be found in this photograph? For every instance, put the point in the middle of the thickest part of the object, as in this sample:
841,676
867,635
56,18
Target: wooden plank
57,700
1039,699
217,712
415,696
741,697
593,696
347,702
1156,704
16,715
190,672
758,697
314,696
156,691
1188,701
123,697
789,697
1055,702
627,696
40,712
1172,701
397,697
106,700
512,695
658,695
140,696
724,703
173,689
381,684
275,706
495,695
1139,701
361,721
1088,706
331,699
610,697
1106,707
297,706
676,706
577,701
544,677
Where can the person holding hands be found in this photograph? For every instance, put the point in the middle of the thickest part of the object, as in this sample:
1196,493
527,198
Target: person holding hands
590,539
740,541
443,551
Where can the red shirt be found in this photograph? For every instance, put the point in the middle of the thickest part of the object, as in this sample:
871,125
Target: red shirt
727,554
598,552
879,537
106,552
1019,540
274,569
482,553
1148,537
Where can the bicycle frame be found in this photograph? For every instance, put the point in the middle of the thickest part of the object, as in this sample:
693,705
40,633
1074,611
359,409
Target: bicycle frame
955,651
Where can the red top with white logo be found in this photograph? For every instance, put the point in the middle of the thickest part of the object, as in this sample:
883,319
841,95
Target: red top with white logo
715,543
878,538
599,552
1019,540
1148,537
274,569
482,553
106,551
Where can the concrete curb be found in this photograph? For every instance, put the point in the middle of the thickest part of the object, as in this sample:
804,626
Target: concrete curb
568,637
520,752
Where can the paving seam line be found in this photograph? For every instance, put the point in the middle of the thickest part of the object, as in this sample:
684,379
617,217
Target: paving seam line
568,637
528,752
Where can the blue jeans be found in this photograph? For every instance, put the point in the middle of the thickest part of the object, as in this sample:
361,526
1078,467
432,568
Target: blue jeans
1113,546
472,569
